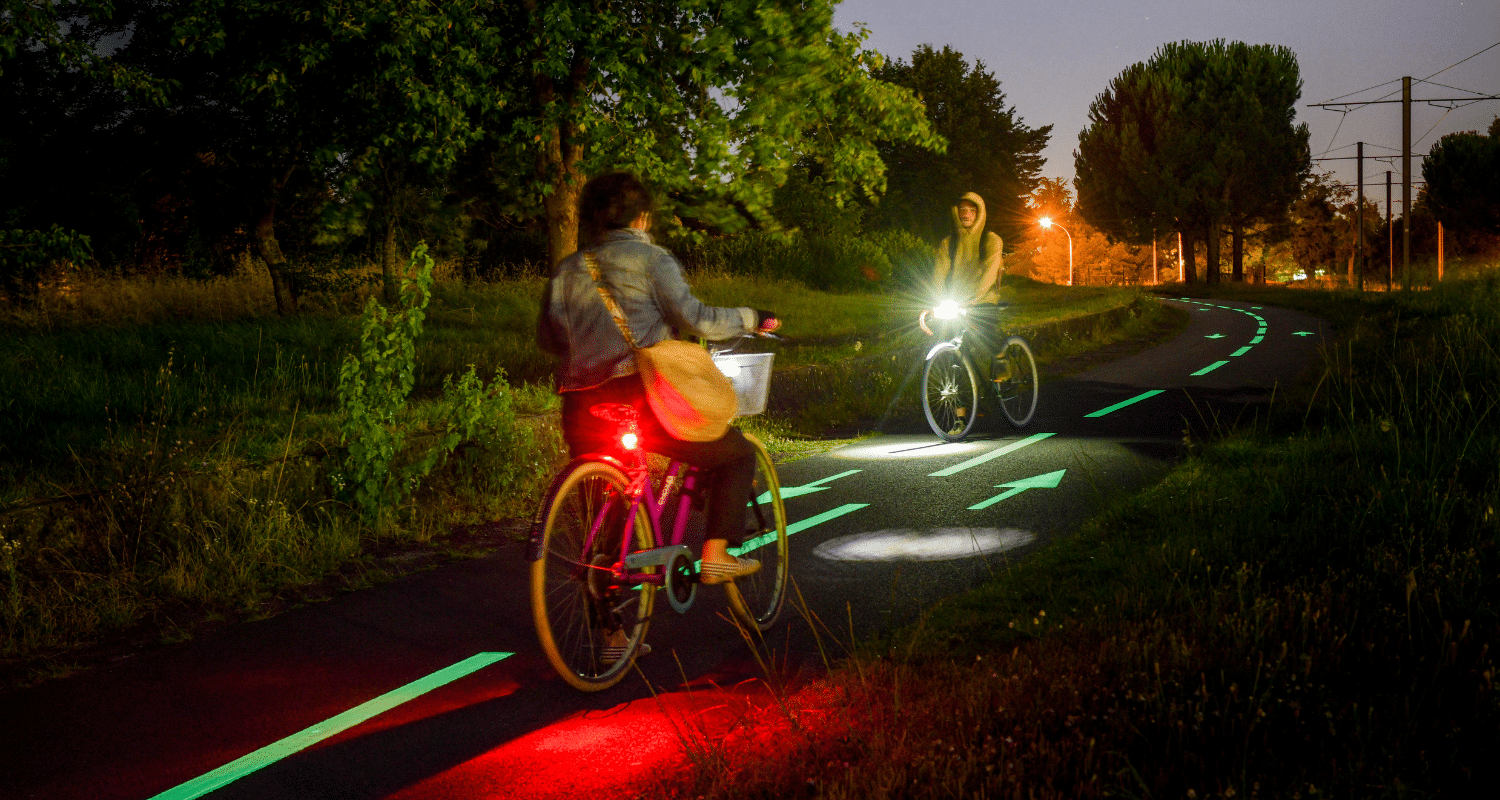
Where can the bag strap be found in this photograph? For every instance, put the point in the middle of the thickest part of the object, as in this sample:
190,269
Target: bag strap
592,263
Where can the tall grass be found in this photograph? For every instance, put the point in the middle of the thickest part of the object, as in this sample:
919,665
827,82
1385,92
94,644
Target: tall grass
1307,607
167,446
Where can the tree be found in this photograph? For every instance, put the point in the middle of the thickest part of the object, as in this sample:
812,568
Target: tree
1202,134
990,150
1314,219
711,102
339,91
1462,171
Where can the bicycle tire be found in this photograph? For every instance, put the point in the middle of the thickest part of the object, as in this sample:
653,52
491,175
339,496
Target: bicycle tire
758,599
950,393
1017,393
576,604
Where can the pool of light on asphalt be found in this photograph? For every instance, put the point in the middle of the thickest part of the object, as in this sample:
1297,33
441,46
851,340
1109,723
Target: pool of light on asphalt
886,450
905,544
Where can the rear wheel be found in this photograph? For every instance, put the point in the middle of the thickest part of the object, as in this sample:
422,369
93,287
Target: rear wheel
1015,381
950,393
758,599
589,623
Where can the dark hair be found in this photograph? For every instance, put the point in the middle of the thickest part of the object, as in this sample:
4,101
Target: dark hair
612,201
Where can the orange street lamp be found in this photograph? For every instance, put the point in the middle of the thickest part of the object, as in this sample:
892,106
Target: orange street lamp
1046,222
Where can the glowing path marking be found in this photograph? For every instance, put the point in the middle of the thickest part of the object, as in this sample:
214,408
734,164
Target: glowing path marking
1214,336
1258,339
1117,406
1304,333
297,742
797,527
788,492
1048,481
990,456
1240,352
1210,368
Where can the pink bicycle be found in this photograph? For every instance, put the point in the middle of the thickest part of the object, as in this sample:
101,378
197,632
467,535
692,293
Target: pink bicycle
612,530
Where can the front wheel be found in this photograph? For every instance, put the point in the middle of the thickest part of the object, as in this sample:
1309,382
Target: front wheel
1015,381
758,599
590,624
950,393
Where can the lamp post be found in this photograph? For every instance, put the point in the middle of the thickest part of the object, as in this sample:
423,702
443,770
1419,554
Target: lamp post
1046,222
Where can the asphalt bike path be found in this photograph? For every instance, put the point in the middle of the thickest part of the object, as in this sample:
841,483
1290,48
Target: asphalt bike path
434,685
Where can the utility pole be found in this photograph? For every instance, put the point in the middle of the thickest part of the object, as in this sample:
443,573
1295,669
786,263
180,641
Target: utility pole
1440,252
1390,237
1181,274
1153,259
1359,219
1406,183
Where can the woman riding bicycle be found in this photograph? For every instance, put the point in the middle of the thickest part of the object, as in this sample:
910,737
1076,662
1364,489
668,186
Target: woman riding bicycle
598,365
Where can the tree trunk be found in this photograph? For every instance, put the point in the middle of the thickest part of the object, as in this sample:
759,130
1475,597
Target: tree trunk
1211,256
283,283
1237,248
388,262
1189,258
562,207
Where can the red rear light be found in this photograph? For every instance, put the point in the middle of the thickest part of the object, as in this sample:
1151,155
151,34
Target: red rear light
629,440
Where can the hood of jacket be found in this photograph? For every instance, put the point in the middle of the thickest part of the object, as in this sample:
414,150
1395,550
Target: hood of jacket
970,242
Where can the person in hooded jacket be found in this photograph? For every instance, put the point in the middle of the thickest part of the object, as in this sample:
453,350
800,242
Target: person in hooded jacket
967,269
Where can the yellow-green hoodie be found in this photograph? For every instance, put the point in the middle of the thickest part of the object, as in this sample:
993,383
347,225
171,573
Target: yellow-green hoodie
971,274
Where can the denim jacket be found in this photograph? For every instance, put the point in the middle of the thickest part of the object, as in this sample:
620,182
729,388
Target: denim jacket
647,282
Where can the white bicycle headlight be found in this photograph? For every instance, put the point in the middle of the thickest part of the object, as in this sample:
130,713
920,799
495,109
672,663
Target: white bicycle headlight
947,309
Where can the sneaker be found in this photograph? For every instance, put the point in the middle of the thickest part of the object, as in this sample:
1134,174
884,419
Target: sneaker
713,572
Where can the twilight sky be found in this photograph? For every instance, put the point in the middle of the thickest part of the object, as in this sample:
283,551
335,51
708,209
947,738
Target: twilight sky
1054,56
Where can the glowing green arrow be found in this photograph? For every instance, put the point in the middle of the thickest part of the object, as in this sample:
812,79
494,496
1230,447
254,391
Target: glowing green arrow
1047,481
788,492
1214,336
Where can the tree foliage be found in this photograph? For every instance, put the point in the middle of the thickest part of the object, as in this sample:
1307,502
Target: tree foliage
990,150
711,102
354,120
1462,172
1201,135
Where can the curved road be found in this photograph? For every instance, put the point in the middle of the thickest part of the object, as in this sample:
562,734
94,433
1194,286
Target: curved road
433,686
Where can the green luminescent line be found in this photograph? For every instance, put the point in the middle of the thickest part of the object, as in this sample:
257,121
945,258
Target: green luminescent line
796,527
991,455
1261,331
1210,368
1240,352
1117,406
276,751
1304,333
1257,308
1214,336
1257,339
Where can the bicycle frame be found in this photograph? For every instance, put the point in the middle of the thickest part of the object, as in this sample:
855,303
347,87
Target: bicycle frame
678,484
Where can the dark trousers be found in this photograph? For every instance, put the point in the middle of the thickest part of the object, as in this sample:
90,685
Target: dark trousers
727,464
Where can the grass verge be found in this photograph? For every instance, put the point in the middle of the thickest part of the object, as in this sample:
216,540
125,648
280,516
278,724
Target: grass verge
166,456
1303,608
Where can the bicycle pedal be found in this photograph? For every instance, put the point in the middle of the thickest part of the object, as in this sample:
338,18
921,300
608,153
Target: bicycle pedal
656,556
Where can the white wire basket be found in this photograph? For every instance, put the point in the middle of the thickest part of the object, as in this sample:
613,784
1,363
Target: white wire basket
751,375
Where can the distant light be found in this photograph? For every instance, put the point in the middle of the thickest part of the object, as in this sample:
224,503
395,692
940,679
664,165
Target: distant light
1045,222
905,544
630,440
